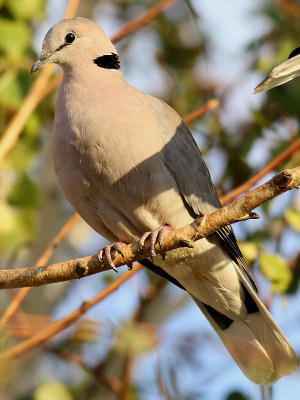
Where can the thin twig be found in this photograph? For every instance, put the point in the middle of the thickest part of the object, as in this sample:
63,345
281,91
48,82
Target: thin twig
272,165
238,210
72,8
125,391
13,131
45,334
290,7
45,257
143,19
210,105
114,384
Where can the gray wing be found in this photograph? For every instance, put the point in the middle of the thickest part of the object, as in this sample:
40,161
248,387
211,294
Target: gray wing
184,161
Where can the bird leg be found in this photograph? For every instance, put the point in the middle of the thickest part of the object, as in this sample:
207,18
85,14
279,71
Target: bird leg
107,252
156,236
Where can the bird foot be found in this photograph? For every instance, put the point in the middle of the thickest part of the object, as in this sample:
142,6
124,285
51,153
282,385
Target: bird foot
107,252
156,236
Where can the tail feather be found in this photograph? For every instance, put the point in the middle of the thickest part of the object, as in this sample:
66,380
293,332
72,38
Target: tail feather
256,343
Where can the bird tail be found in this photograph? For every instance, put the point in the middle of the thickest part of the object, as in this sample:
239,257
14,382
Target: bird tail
257,344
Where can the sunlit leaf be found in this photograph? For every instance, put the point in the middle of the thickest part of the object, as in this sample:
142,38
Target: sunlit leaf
14,37
25,192
13,88
86,330
135,338
33,9
16,227
52,390
249,250
276,268
293,218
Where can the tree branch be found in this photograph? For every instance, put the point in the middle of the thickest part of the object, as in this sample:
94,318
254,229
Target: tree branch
238,210
45,257
271,166
57,326
143,19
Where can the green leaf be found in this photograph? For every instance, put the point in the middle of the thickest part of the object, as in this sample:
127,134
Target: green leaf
236,396
293,218
249,251
136,339
52,390
293,287
33,8
25,192
276,268
13,88
15,36
16,227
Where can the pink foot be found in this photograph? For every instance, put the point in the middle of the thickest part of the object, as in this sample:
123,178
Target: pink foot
107,252
156,236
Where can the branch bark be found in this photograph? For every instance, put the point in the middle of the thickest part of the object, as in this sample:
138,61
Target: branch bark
45,257
238,210
271,166
57,326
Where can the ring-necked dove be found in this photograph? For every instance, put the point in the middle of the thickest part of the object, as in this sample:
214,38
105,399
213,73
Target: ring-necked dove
128,164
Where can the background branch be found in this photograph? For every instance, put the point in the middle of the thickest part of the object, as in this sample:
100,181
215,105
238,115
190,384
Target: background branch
63,323
238,210
284,155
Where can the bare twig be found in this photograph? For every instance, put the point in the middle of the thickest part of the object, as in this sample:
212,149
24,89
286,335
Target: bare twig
260,174
72,8
143,19
45,334
290,8
238,210
210,105
113,383
20,296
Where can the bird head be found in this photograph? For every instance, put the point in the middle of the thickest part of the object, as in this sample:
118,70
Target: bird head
283,73
76,41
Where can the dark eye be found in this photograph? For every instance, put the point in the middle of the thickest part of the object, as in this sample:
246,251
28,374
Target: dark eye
70,37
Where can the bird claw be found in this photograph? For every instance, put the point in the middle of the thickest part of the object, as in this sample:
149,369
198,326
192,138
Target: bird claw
107,252
156,236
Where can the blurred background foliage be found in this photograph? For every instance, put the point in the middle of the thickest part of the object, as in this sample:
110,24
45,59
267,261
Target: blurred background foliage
147,341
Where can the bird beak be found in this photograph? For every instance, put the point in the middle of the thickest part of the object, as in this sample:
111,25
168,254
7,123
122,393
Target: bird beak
40,63
285,72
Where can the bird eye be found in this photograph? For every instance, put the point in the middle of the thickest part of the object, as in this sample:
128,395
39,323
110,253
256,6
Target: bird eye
70,37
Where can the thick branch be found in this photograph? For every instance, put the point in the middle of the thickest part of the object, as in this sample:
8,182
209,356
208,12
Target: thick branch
238,210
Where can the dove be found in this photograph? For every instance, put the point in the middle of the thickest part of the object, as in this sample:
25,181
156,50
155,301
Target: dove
130,167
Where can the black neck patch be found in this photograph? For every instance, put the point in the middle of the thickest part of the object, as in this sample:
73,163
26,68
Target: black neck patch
294,53
108,61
